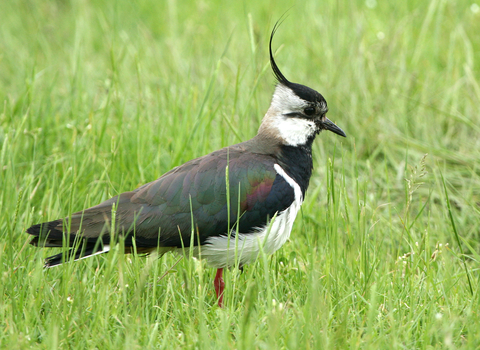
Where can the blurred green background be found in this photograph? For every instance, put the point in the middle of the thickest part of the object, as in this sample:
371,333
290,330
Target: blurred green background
99,97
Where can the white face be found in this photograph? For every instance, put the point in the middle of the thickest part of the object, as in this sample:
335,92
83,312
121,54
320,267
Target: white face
293,130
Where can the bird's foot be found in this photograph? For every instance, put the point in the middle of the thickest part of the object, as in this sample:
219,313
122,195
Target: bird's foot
219,285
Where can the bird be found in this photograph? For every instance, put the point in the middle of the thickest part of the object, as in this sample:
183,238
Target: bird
224,207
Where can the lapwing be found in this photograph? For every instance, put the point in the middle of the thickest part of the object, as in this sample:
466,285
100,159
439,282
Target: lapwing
192,207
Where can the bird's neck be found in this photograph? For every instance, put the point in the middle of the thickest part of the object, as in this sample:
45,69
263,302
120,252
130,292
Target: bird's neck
294,157
296,160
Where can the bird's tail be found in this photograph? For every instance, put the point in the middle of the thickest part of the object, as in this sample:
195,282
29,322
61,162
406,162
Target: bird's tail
54,234
51,235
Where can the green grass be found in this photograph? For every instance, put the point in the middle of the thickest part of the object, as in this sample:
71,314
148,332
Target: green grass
101,97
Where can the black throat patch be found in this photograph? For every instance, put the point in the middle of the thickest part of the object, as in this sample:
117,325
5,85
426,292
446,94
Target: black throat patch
297,162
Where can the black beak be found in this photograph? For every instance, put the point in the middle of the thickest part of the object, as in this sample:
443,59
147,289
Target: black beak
327,124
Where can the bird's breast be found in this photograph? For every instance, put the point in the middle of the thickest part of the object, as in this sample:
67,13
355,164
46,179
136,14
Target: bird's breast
243,248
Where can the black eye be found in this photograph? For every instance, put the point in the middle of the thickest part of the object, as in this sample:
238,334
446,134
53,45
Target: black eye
309,111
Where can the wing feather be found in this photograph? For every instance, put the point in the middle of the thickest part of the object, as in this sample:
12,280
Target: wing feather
161,212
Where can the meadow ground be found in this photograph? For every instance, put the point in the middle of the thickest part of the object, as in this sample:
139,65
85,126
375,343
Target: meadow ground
101,97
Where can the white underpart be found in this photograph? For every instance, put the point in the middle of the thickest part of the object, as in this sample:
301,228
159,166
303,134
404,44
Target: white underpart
221,251
295,131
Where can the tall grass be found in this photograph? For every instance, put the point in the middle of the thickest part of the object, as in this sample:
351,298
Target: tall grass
101,97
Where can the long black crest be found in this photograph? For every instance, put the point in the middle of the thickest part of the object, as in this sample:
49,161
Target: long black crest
276,71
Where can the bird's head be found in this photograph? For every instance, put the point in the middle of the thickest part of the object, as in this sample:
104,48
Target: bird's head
297,113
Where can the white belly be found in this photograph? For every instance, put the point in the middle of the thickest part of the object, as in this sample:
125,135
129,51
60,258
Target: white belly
224,251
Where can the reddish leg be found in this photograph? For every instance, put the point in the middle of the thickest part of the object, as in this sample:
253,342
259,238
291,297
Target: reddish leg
219,286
